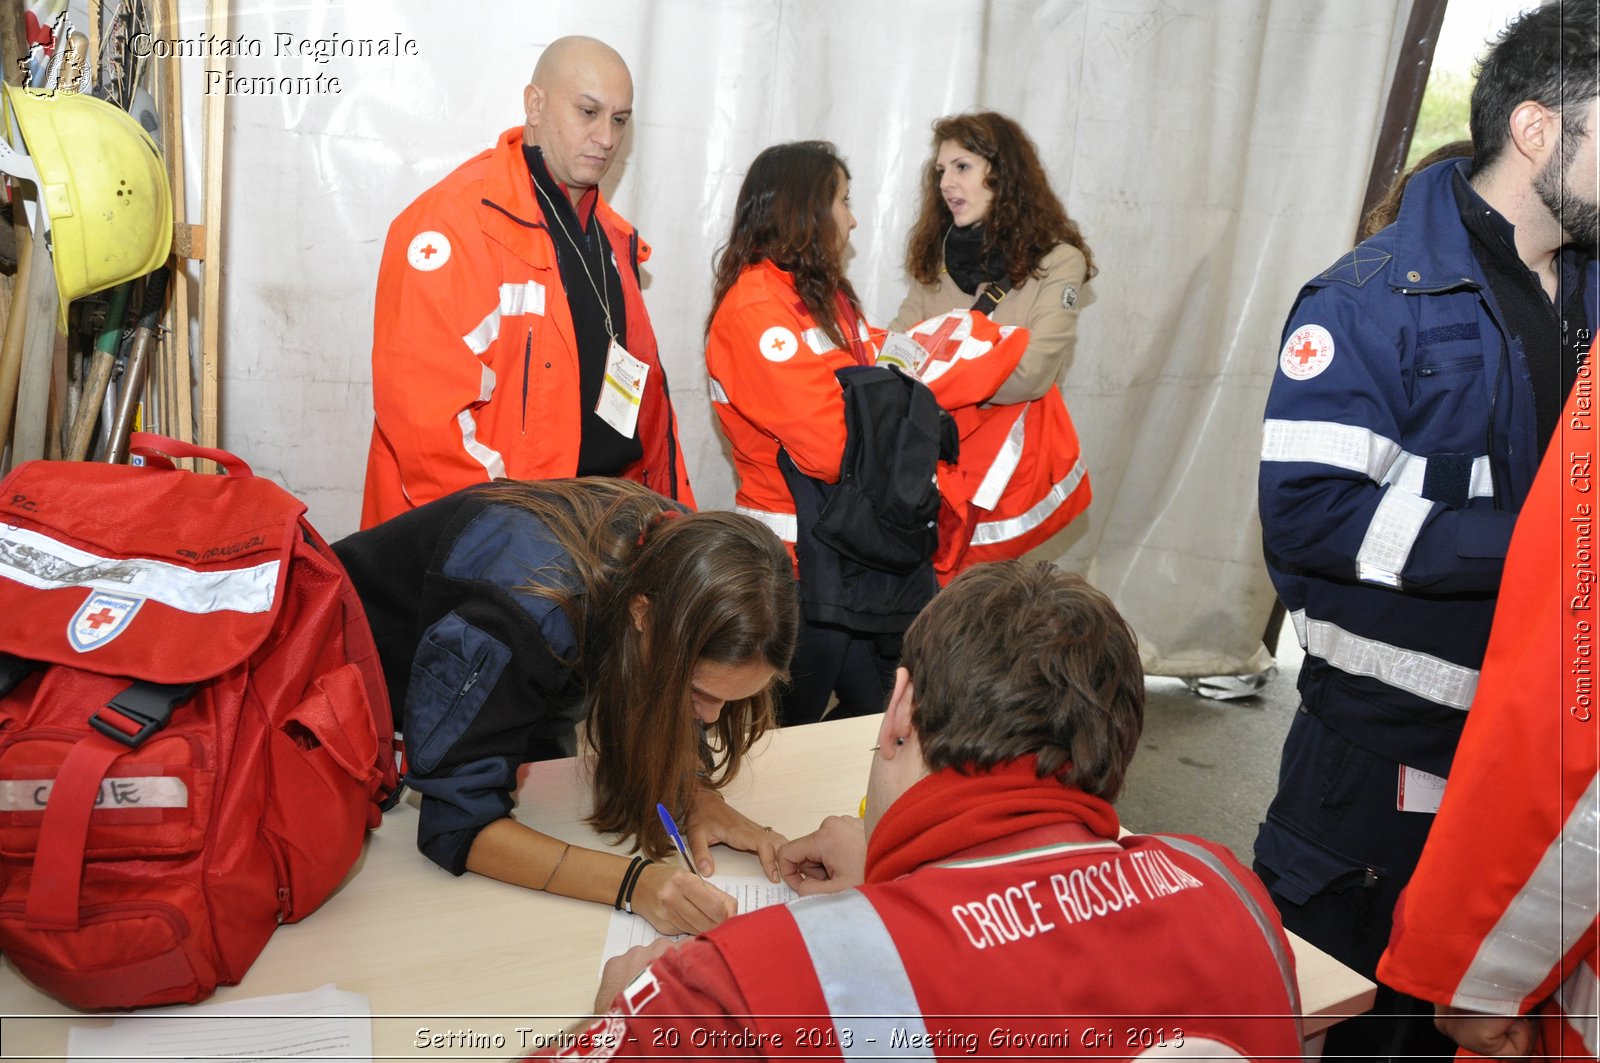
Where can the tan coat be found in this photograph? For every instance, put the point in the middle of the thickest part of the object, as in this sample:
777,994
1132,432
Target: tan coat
1041,305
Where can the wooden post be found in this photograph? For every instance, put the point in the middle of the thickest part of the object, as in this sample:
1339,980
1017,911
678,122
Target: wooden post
176,372
95,15
13,46
211,295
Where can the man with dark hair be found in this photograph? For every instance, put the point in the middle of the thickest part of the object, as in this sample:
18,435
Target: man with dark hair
985,904
1420,379
510,338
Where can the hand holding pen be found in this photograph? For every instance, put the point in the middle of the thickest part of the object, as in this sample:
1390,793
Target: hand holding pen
676,901
677,838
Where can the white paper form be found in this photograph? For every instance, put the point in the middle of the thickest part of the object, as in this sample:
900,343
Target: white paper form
322,1024
748,891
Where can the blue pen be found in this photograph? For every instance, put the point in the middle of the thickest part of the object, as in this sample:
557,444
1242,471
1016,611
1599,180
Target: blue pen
677,839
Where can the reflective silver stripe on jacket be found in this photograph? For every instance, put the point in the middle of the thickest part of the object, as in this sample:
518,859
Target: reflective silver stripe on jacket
1279,953
990,532
515,300
785,526
863,978
1005,463
1544,920
493,463
1579,997
1391,535
1348,446
1344,446
1428,677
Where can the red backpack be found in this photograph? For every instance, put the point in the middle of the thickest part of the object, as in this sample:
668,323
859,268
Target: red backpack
194,729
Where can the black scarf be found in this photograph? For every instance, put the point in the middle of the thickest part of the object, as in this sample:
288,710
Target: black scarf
968,262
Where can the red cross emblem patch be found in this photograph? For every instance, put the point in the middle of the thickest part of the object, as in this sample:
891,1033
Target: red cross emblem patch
102,617
1306,353
428,251
778,344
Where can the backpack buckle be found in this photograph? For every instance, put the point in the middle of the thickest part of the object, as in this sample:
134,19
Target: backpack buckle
141,710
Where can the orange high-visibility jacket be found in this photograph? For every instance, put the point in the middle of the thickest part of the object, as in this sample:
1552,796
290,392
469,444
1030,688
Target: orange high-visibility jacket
474,360
772,384
1019,479
1499,916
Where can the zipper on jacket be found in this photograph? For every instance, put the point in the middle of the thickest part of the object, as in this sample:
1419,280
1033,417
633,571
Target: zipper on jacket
472,679
1488,435
527,364
475,669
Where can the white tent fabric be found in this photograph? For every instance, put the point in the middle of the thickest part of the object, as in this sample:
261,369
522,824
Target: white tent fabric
1215,155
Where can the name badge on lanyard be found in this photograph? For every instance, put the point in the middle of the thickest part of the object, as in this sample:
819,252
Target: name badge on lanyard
622,391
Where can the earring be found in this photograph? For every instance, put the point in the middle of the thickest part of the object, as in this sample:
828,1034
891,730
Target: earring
899,741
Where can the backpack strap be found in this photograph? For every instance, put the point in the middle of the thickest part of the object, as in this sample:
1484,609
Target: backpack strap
989,295
139,711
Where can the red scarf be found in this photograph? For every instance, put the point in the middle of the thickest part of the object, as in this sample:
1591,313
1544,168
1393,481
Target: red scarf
948,812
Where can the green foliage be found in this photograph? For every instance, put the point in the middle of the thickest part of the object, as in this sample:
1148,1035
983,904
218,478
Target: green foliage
1446,107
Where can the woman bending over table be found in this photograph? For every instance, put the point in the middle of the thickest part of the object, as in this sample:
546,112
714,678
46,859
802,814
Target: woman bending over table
508,613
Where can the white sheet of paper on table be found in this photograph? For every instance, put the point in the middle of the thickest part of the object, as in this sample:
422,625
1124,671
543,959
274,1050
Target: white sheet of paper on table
324,1023
749,891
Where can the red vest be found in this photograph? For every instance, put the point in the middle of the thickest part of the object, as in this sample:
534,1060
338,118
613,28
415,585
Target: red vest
1079,935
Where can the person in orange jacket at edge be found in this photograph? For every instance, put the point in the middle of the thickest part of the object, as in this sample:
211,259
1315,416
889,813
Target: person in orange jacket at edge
1503,938
510,337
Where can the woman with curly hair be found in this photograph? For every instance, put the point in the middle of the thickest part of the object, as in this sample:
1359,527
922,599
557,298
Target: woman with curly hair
506,614
991,235
783,319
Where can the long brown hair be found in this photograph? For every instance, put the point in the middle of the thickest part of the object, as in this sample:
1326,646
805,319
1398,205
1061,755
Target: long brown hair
1025,220
718,587
784,214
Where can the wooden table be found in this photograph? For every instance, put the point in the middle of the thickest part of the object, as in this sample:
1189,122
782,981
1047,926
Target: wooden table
441,954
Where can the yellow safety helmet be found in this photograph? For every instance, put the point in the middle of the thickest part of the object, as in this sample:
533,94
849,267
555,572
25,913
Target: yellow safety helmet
102,185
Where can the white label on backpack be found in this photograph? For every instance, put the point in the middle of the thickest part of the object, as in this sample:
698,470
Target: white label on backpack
101,618
149,791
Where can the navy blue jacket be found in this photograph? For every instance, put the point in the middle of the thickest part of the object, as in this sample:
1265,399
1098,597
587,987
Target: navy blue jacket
478,666
1399,445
